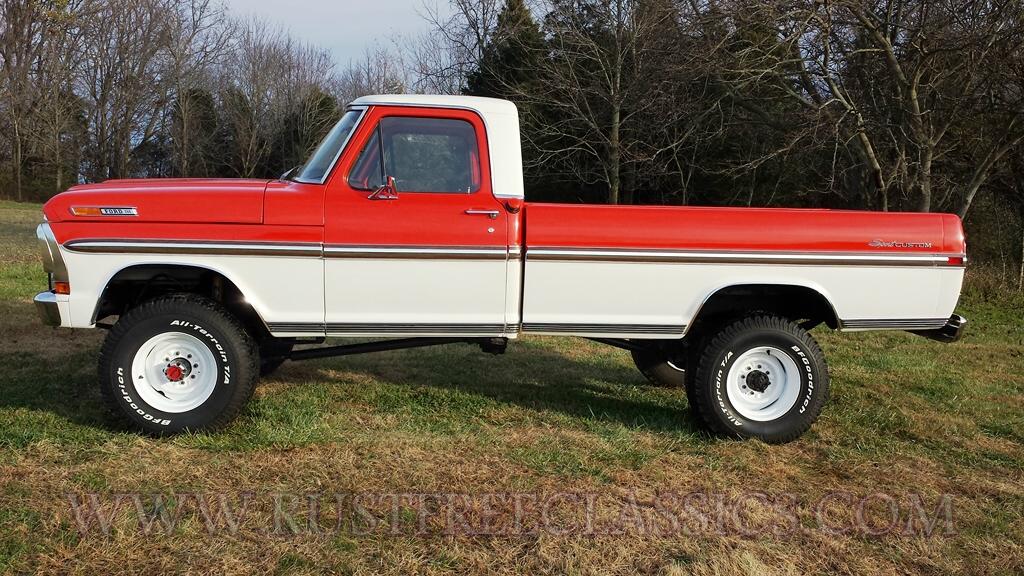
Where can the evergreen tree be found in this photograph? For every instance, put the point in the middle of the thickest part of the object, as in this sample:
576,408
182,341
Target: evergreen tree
509,62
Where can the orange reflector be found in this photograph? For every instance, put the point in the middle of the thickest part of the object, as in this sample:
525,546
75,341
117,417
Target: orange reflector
62,288
86,211
956,260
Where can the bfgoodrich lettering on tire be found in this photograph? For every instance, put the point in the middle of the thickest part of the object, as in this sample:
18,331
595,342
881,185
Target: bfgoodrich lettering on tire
176,363
761,377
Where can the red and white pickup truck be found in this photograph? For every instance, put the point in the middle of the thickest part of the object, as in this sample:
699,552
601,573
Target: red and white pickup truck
409,222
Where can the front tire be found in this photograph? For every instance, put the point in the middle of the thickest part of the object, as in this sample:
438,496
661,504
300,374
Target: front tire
177,363
761,377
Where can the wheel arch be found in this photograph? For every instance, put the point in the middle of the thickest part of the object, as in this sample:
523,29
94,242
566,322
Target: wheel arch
134,283
797,301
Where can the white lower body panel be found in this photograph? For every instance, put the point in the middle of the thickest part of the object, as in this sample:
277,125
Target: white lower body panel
659,299
281,289
417,297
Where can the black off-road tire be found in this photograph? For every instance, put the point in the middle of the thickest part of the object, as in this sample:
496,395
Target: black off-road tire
235,357
273,353
727,346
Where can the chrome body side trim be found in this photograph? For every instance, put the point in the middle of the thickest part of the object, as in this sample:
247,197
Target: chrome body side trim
112,246
308,249
893,323
311,249
556,328
395,328
347,328
417,252
296,327
738,257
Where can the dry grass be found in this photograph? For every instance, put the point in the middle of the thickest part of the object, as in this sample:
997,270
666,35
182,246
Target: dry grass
551,417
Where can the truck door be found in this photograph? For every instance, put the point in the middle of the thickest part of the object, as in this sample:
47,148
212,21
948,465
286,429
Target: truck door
426,256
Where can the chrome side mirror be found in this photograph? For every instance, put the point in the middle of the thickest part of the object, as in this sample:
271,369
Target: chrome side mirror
386,192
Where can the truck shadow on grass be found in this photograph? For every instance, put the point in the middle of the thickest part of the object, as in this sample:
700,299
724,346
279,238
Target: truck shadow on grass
41,394
595,386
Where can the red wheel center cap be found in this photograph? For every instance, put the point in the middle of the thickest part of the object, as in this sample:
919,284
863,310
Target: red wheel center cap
173,373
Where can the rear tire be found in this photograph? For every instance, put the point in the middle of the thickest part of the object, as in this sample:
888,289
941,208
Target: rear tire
659,369
761,377
177,363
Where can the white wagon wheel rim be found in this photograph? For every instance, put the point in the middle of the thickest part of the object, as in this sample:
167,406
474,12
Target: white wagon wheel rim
174,372
763,384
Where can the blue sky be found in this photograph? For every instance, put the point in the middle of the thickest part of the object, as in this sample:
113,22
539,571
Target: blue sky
345,27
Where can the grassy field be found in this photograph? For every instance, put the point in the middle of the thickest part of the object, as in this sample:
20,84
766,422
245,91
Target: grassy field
560,435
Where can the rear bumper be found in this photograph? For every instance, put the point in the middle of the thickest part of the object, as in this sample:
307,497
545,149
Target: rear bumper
951,332
47,307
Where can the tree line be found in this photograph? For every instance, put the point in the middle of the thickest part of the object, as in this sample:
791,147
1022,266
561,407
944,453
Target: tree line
864,104
98,89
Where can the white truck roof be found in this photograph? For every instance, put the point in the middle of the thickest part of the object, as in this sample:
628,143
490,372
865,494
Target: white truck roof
501,118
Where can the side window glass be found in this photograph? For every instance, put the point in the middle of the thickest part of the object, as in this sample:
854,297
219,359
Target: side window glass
367,174
437,155
431,154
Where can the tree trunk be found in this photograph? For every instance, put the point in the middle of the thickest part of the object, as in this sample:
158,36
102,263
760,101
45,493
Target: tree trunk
58,180
1020,272
16,160
924,181
1020,277
613,157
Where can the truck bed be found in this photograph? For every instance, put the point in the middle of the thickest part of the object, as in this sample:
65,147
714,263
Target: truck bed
876,270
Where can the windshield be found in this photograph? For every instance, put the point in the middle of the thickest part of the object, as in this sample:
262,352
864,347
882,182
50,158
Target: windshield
319,164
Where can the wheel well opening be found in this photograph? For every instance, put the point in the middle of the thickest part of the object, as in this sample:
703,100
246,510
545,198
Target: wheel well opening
798,303
134,285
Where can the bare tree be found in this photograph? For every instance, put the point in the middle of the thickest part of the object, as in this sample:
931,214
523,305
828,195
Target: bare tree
197,41
453,45
268,77
899,83
120,81
380,71
600,84
22,29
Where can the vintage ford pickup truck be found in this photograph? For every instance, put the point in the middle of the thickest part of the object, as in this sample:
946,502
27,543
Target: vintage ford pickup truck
409,222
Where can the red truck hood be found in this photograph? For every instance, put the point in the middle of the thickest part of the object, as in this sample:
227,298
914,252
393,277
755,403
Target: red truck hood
170,200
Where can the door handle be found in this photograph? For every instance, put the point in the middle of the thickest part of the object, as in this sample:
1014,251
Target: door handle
492,214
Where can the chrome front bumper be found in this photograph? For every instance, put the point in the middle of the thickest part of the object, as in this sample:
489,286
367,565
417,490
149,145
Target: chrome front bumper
951,332
46,306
